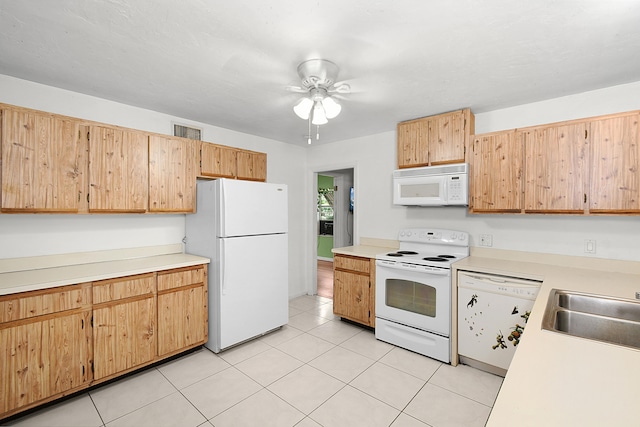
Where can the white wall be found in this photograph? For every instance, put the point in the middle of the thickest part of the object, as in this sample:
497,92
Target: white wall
373,159
375,156
32,235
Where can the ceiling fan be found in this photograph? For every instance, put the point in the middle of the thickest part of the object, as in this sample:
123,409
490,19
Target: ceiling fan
318,77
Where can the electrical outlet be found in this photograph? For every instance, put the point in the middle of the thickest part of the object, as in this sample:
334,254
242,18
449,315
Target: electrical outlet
589,246
486,240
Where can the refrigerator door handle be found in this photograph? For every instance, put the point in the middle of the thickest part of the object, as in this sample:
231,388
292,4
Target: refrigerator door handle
222,269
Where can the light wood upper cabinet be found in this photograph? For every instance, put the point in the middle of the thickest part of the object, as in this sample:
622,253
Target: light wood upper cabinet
615,165
124,319
556,162
182,309
43,159
118,170
218,161
448,137
45,346
252,165
496,173
413,149
354,289
172,174
435,140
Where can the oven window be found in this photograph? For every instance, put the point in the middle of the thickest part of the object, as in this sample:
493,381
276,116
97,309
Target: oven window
411,296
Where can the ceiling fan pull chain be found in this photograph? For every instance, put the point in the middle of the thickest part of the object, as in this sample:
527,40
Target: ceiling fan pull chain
309,134
317,133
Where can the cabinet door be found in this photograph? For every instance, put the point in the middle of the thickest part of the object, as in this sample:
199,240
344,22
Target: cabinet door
118,170
412,144
252,165
124,319
351,296
496,173
172,174
217,161
446,140
123,335
182,309
44,357
615,165
42,163
556,158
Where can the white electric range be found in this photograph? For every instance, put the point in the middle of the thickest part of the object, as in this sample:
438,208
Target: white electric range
413,290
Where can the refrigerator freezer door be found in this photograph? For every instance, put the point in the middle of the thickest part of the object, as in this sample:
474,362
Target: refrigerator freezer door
251,287
250,208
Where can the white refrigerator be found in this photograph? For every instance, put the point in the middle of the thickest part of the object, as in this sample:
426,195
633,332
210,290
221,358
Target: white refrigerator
242,227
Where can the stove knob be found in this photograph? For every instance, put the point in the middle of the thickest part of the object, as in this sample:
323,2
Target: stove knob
454,236
408,233
463,237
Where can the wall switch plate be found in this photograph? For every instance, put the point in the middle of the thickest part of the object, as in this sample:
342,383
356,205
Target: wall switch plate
486,240
589,246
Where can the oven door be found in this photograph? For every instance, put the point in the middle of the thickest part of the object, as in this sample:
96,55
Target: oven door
420,299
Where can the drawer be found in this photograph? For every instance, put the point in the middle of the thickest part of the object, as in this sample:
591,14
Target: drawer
47,301
123,287
352,263
171,279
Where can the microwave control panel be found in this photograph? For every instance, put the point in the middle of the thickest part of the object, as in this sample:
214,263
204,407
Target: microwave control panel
456,189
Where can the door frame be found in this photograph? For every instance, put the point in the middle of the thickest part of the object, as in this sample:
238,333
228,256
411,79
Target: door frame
313,234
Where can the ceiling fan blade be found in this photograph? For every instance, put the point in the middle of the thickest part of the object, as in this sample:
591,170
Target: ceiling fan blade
297,89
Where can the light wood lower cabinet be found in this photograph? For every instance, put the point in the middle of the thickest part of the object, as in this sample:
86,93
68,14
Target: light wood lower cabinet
354,289
124,319
182,309
45,346
58,341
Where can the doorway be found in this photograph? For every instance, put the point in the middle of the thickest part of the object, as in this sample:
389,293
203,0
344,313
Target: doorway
334,222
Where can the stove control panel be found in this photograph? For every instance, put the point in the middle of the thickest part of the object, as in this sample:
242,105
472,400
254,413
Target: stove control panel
434,235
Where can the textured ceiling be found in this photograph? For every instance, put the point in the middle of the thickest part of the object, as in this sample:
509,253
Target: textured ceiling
228,63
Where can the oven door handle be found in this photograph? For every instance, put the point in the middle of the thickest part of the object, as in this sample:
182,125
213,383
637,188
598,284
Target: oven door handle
390,265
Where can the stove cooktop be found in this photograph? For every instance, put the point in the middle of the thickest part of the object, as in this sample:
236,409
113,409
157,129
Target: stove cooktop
430,247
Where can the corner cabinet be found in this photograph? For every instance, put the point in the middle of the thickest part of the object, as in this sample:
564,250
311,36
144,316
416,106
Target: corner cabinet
435,140
43,163
172,174
354,288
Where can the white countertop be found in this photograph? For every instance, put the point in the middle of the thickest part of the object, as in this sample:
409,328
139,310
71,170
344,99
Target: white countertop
368,248
560,380
46,276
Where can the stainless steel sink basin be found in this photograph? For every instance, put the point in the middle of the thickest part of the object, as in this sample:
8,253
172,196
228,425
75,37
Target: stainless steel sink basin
596,317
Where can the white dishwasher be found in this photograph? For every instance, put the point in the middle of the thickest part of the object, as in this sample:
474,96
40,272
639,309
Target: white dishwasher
492,313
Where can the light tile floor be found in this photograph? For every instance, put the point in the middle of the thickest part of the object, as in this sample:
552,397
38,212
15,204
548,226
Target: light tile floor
315,371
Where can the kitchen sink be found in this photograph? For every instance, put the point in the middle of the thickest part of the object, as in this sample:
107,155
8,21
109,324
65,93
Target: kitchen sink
596,317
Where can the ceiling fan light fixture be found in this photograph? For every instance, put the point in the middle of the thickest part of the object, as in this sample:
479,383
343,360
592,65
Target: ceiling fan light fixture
303,108
331,107
319,115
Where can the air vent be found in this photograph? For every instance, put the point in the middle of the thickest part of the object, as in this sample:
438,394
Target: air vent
187,132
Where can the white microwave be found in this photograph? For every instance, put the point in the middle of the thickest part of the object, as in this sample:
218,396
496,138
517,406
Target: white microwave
446,185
